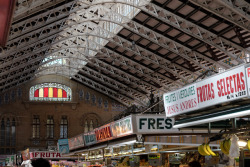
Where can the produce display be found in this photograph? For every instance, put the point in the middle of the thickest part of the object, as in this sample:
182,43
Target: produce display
225,146
248,144
205,149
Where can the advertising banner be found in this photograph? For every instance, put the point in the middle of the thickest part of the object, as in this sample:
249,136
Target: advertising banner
248,79
89,138
122,127
224,87
103,133
76,142
150,124
46,154
63,146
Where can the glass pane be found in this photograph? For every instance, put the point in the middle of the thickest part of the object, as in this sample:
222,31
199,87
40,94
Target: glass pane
38,131
2,133
8,132
65,132
13,135
48,130
61,131
7,151
52,131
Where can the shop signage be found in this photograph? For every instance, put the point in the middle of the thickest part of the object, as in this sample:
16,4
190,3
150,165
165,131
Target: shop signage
103,133
154,124
76,142
248,78
46,154
63,146
90,138
224,87
6,11
122,127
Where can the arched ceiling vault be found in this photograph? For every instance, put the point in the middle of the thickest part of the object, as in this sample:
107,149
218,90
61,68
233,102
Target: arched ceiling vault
121,51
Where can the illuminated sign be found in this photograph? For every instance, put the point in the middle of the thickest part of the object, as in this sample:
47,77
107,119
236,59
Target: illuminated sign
122,127
90,138
76,142
103,133
224,87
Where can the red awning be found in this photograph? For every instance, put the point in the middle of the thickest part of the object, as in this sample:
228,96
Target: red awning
6,11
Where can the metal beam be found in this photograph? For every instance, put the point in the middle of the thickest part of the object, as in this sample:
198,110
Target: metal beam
228,11
193,30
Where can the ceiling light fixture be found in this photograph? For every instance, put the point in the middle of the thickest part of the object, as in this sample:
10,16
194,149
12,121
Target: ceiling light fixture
242,143
213,119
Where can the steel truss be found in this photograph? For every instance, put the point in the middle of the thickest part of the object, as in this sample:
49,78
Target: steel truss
42,49
117,95
131,92
165,16
104,90
235,12
221,44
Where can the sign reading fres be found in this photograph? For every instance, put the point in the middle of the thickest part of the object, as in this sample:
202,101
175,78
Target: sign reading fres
154,124
224,87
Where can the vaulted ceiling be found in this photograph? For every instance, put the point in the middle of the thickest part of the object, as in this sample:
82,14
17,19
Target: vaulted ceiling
121,51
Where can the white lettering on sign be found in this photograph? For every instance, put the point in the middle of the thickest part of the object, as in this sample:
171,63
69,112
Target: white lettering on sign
224,87
46,154
154,124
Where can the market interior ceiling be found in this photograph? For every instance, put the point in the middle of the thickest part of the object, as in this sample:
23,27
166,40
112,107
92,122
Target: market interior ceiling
121,51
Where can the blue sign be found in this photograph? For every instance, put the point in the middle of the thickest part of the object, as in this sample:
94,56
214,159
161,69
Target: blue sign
63,146
90,138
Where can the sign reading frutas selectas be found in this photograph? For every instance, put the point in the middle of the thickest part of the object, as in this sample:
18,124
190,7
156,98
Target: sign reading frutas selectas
248,78
224,87
154,124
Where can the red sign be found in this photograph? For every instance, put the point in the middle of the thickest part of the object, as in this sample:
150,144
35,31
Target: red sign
6,10
46,154
103,133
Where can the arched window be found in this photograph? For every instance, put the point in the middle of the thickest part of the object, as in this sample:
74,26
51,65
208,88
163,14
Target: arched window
90,122
93,98
100,102
81,94
8,135
2,133
50,92
50,127
64,128
36,127
87,97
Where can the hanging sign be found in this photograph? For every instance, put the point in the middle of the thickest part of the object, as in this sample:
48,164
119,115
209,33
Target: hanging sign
224,87
122,127
76,142
152,124
89,138
103,133
46,154
248,78
63,146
